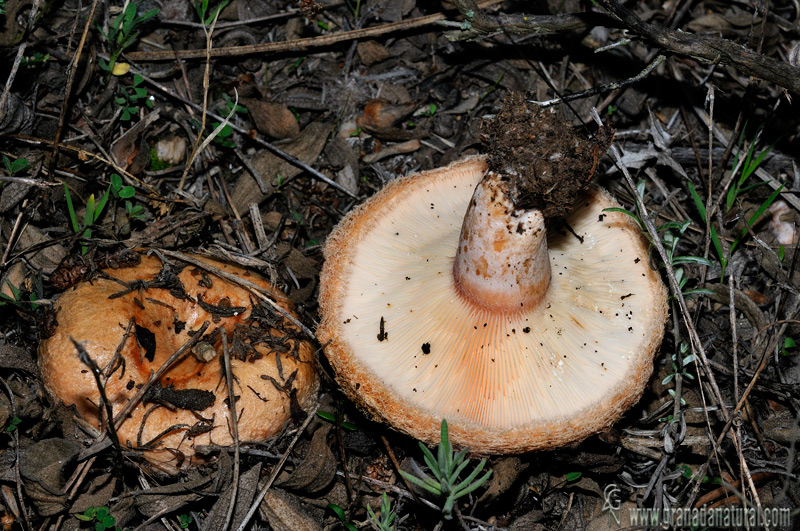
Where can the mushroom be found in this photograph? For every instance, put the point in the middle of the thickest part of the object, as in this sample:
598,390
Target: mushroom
442,298
273,368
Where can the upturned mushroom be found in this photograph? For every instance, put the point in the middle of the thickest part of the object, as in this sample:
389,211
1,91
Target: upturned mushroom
445,296
162,308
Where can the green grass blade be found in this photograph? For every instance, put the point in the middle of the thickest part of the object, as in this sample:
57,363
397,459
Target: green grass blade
73,218
698,203
420,483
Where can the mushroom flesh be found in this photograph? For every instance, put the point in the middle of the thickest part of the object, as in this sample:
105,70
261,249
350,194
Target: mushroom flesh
162,307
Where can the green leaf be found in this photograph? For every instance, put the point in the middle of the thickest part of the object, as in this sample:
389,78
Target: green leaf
420,483
698,203
73,218
127,192
678,260
116,181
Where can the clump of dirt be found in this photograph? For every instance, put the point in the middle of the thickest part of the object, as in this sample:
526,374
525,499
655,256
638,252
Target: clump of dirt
547,162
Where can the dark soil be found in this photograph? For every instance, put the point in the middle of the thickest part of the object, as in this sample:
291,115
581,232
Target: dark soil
548,162
316,127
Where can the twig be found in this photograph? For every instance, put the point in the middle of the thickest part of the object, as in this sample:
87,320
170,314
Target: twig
608,87
105,404
478,23
234,429
199,144
295,45
17,476
72,70
709,49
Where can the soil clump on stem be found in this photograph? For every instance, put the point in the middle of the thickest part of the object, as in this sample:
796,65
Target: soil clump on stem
547,161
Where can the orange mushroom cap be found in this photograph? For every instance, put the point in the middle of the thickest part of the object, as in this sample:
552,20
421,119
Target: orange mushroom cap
267,353
440,300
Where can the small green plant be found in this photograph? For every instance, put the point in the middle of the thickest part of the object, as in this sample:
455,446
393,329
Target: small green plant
35,60
342,517
126,192
738,187
387,515
336,418
467,22
13,424
715,239
101,517
749,166
686,359
789,347
184,520
206,16
93,212
446,468
123,33
18,166
574,476
354,9
670,234
430,111
16,298
131,98
223,137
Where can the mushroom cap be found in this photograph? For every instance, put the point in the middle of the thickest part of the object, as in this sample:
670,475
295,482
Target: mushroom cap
506,382
164,322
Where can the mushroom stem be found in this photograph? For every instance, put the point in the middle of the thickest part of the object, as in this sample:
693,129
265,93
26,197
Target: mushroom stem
502,263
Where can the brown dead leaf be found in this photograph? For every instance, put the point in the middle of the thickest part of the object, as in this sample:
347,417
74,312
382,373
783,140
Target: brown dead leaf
504,473
318,468
248,486
272,119
371,52
45,259
43,465
284,512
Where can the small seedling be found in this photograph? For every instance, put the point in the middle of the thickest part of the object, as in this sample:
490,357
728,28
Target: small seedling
132,97
101,517
123,33
715,239
387,515
126,192
354,9
206,16
16,298
446,468
93,212
13,424
342,517
184,520
430,111
670,234
337,419
685,361
789,347
35,60
18,166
